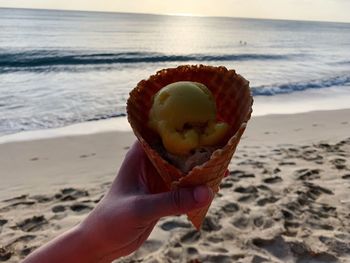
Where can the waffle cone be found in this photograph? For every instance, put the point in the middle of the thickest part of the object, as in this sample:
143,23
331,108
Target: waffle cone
234,106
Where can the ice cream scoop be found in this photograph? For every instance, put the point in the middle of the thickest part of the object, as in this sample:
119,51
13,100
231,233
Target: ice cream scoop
184,115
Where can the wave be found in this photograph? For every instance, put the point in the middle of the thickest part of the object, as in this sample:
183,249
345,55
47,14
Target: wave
30,59
345,62
271,90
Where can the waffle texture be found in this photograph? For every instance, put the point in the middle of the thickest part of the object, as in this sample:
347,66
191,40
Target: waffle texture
234,106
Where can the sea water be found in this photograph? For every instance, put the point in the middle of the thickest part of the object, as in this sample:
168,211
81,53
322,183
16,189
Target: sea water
62,67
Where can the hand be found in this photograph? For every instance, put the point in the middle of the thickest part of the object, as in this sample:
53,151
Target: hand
125,217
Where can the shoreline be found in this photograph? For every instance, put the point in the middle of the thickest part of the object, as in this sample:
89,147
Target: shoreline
116,124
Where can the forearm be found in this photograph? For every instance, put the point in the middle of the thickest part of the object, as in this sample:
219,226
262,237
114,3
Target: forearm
72,246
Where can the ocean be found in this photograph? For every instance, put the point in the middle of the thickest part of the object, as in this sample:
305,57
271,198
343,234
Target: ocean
65,67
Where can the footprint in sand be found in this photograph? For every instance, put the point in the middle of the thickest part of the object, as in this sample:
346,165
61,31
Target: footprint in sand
275,246
41,198
259,259
170,225
149,246
32,224
317,190
247,198
219,258
267,200
17,202
215,239
25,239
246,190
290,231
190,237
346,176
295,207
276,170
17,198
273,180
325,146
224,185
311,155
211,224
258,221
247,175
312,257
288,215
241,222
305,198
264,188
253,163
284,163
230,208
98,199
339,163
175,253
291,224
58,209
22,203
27,250
339,247
71,194
5,254
307,174
316,224
3,222
87,155
241,174
192,251
320,211
80,208
303,254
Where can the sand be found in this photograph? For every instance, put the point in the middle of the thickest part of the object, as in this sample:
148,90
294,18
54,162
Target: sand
286,198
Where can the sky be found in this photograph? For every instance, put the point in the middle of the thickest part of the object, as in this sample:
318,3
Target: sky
319,10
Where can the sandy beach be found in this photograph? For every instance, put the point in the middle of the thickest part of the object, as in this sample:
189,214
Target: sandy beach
286,198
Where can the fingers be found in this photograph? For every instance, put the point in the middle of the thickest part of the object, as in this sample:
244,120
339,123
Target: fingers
134,162
137,174
151,207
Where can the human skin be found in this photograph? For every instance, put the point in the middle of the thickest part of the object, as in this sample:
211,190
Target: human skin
125,216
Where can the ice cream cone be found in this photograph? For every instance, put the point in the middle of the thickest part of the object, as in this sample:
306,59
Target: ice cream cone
234,106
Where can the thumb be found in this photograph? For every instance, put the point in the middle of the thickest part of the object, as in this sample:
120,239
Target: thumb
181,201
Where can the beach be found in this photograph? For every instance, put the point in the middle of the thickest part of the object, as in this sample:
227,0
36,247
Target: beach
65,77
285,200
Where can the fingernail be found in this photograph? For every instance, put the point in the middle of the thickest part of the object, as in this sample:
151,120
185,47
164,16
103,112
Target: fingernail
202,194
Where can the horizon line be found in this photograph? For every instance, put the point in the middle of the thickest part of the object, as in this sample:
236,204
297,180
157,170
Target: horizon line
178,15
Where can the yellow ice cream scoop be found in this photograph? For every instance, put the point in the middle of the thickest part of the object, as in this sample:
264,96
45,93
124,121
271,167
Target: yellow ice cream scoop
184,115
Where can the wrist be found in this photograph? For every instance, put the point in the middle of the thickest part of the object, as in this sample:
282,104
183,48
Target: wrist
71,246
